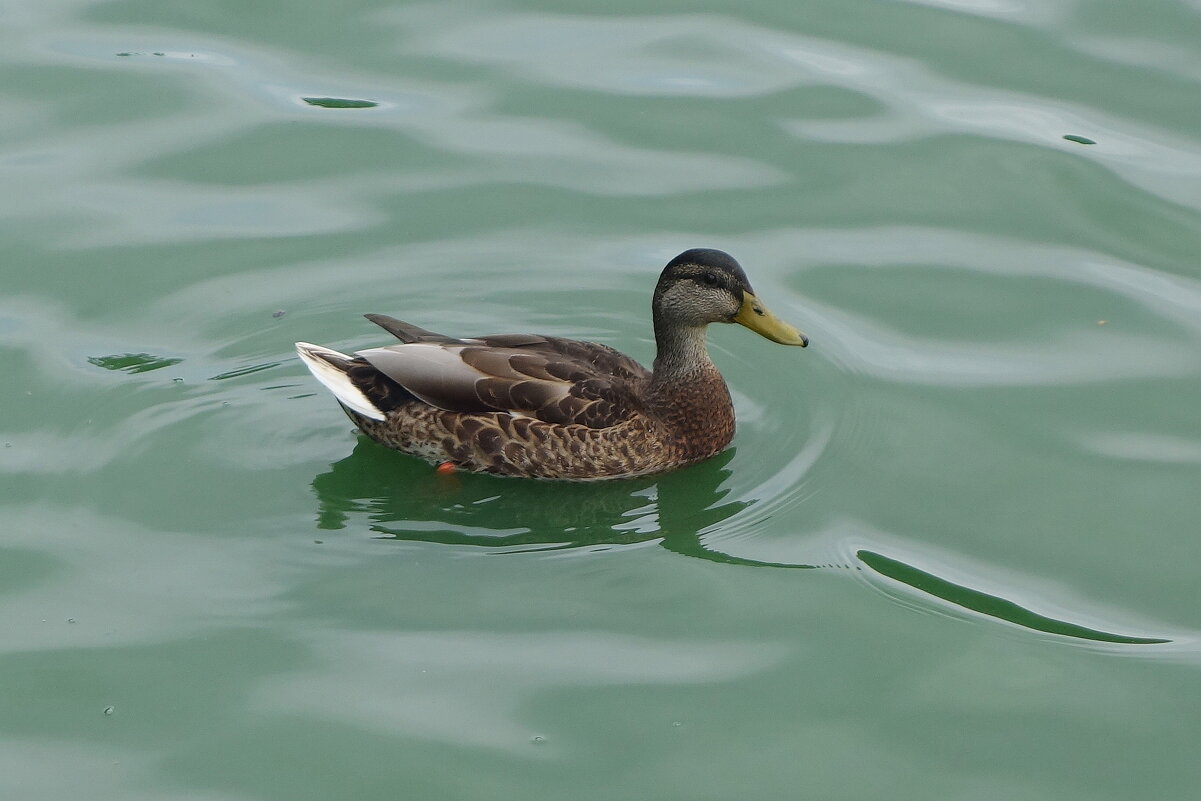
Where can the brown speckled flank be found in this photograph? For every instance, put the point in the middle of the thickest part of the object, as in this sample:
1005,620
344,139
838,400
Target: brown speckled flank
692,427
547,407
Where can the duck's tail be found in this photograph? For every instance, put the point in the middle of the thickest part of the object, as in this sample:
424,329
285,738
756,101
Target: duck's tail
329,367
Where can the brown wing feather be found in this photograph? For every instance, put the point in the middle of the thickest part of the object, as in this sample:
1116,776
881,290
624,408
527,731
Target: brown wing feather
565,356
602,384
512,340
551,379
406,332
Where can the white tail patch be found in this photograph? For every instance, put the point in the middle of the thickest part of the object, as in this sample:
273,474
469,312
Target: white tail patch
335,380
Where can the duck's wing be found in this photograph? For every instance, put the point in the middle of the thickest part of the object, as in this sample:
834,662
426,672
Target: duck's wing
547,378
602,358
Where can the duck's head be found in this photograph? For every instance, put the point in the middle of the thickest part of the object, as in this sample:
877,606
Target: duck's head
702,286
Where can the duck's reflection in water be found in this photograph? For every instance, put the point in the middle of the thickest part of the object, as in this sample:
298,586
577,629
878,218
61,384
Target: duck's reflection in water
405,499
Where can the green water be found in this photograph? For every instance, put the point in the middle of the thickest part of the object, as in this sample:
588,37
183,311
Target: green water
986,466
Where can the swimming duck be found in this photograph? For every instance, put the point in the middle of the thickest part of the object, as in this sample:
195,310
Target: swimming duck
547,407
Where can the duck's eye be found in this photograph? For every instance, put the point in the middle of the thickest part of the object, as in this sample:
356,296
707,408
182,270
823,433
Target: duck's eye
709,278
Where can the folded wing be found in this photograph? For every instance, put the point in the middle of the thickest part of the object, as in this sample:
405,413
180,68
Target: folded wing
555,380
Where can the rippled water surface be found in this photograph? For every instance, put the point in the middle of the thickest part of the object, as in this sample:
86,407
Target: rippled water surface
953,552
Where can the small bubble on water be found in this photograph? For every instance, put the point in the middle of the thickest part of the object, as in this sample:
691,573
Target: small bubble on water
537,739
109,710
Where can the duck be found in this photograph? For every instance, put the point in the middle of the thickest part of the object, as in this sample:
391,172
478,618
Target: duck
533,406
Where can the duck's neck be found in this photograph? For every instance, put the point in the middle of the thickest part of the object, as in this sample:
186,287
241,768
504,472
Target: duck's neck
688,393
680,353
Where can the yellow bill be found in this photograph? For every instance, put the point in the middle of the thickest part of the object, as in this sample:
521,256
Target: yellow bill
755,316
